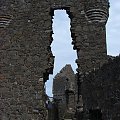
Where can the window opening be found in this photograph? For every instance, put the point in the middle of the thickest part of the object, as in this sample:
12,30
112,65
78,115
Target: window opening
61,46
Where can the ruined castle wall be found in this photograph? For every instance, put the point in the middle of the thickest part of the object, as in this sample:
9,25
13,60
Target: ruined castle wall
25,53
24,58
88,19
101,90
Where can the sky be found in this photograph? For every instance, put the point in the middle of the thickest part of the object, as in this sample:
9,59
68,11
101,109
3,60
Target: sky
113,28
62,48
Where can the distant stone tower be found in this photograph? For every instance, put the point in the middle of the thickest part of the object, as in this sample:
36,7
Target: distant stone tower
26,59
64,91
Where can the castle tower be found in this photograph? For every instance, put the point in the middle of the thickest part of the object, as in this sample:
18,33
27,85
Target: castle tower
64,91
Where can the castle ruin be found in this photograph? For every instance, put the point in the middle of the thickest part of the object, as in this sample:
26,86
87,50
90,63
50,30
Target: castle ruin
26,59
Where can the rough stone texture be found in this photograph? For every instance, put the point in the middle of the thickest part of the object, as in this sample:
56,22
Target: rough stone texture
101,91
64,92
25,52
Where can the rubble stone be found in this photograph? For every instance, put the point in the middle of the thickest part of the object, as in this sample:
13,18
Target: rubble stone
25,52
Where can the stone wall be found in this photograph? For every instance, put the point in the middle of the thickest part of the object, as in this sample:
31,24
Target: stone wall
25,52
25,57
101,91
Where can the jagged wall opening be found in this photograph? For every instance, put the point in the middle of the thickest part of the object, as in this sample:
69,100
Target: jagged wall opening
62,42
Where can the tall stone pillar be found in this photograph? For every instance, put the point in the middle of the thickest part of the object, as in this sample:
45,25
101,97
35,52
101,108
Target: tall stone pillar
91,36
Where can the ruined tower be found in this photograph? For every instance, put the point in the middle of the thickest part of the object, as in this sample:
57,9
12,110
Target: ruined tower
26,59
64,91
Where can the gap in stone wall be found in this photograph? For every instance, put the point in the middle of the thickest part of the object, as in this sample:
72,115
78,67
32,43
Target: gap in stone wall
61,46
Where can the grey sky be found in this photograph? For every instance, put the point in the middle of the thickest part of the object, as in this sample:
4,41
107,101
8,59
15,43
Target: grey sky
113,28
62,48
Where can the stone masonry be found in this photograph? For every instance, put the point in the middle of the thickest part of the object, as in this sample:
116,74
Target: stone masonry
26,59
101,92
64,91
